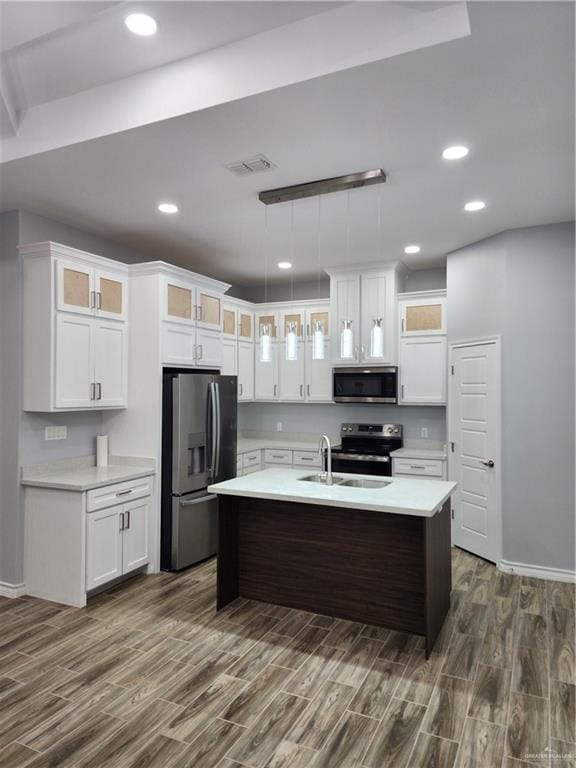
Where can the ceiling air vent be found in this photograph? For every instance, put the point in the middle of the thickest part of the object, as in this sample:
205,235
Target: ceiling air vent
256,164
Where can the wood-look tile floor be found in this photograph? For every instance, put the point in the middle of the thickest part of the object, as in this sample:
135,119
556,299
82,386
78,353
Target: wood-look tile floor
150,676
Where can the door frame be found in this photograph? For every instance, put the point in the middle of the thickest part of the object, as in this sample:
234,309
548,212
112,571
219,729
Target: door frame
496,340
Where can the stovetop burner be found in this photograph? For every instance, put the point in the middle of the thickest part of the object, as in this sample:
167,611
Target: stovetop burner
374,439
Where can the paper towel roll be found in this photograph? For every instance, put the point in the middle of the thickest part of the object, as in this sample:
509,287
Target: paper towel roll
102,450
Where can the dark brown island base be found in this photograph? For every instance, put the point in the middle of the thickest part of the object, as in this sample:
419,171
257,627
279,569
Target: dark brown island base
383,568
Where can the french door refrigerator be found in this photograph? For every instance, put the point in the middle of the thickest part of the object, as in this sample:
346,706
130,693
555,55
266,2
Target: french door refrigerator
198,448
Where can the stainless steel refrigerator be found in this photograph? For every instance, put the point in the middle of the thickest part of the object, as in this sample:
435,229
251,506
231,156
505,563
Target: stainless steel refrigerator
198,448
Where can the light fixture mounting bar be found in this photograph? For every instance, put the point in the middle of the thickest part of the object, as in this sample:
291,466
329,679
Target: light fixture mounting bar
322,187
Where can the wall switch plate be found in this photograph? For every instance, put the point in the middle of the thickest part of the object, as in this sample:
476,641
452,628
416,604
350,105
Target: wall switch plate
55,433
279,426
424,432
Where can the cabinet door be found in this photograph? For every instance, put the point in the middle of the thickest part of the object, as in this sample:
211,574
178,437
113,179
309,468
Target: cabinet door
376,314
135,549
74,361
103,546
110,363
345,308
245,325
267,319
230,355
209,348
74,287
423,316
229,322
179,302
245,370
317,315
423,370
318,375
178,344
208,310
111,295
291,374
296,316
266,375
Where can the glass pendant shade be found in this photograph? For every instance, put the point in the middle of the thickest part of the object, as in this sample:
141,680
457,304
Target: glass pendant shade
265,345
318,342
376,338
291,342
346,340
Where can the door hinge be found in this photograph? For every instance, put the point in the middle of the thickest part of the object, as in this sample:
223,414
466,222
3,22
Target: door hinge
452,370
452,514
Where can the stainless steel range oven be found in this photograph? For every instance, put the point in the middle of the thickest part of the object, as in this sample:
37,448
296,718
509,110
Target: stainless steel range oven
365,448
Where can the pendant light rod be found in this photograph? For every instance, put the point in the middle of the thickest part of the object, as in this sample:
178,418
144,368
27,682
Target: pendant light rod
322,187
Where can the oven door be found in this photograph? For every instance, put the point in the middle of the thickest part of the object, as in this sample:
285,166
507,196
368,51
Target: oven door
361,464
365,385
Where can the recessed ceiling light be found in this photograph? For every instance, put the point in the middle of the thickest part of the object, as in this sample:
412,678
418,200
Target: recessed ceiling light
475,205
284,265
455,153
141,24
412,249
168,208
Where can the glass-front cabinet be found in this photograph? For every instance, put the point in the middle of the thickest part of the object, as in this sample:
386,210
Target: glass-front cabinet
423,315
184,303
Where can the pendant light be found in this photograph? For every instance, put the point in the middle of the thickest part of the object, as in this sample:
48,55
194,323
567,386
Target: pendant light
291,328
376,331
346,330
317,330
266,329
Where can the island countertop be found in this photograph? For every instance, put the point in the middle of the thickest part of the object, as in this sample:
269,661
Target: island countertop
420,498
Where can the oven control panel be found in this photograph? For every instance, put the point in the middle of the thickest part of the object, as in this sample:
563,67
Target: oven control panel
371,430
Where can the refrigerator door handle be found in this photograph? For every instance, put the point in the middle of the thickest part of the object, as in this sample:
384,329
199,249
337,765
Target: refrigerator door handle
218,430
201,500
213,406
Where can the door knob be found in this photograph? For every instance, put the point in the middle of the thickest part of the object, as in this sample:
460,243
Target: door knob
488,463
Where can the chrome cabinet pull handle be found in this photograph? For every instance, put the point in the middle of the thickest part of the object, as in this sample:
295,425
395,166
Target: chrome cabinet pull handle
275,389
99,395
92,391
240,390
308,389
121,521
98,300
200,352
128,523
301,390
124,493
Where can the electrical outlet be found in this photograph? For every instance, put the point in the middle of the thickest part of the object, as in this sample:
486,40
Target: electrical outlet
55,433
424,432
279,426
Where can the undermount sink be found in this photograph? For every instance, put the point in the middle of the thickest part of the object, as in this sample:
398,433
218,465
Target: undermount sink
322,478
360,482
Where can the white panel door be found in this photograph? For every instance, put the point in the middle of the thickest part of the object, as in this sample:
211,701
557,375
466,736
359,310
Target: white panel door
135,549
209,348
110,363
423,369
178,344
318,375
74,361
229,359
266,375
245,370
474,419
291,374
103,546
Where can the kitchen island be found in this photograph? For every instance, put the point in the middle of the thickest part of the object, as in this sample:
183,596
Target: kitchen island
379,555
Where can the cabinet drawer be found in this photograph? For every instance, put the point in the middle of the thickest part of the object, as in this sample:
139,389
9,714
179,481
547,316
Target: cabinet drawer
251,470
307,459
108,495
277,456
251,459
400,476
424,467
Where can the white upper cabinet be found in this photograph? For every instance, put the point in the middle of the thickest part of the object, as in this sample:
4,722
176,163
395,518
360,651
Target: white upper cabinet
209,349
230,358
423,313
423,364
75,334
245,370
208,309
345,314
291,384
229,322
377,311
245,324
266,374
318,378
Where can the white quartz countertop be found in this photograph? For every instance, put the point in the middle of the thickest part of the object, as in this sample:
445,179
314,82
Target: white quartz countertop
418,453
421,498
246,444
84,478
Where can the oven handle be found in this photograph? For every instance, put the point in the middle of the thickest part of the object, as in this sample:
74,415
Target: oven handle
358,457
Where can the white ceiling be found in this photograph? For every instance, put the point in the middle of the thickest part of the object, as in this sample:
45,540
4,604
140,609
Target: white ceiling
74,46
507,91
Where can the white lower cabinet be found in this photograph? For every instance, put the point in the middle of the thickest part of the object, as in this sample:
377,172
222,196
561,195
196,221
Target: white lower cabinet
423,370
116,541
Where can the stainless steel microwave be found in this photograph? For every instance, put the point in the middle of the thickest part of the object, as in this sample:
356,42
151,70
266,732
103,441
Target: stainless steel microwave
378,384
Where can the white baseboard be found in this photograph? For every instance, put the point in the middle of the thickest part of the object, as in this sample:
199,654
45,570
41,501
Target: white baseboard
12,590
537,571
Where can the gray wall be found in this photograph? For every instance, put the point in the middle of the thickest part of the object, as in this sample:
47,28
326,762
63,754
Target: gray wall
11,530
425,279
318,419
22,433
520,285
